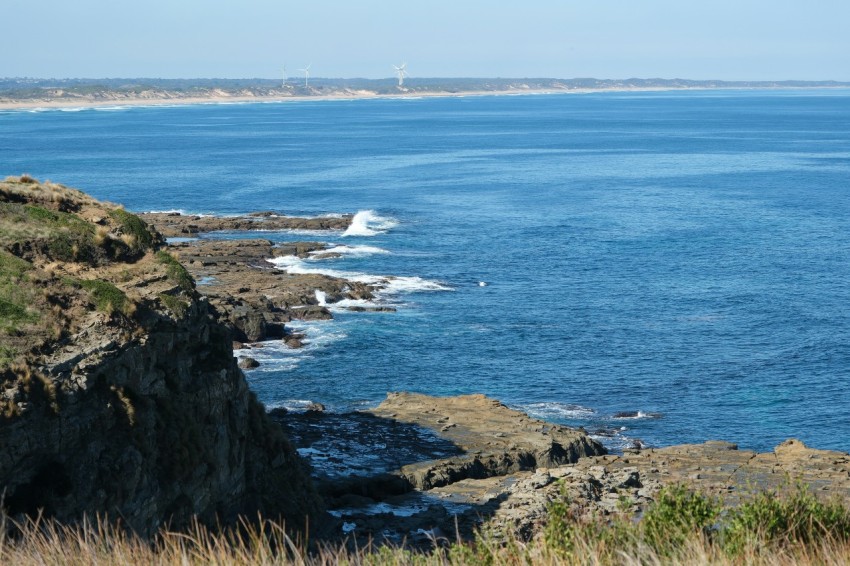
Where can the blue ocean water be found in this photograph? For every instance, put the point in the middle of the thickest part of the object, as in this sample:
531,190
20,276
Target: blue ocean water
682,255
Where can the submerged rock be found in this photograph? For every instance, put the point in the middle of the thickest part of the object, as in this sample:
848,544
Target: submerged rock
248,363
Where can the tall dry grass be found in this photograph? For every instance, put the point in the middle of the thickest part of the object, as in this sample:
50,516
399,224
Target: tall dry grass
46,543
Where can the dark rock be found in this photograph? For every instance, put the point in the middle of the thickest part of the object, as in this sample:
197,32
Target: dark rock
311,312
248,363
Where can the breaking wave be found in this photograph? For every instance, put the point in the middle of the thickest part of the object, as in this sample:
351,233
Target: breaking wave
369,223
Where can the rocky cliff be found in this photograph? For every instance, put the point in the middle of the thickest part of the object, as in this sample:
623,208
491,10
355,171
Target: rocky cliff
120,391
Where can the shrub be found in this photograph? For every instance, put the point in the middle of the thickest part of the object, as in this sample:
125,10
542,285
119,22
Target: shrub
794,518
676,516
571,536
107,297
140,238
175,271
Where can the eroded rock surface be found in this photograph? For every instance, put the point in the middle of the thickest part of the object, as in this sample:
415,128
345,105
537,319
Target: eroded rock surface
419,467
174,224
422,462
255,297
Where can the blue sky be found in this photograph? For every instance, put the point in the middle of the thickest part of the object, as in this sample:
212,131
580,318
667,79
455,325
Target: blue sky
722,39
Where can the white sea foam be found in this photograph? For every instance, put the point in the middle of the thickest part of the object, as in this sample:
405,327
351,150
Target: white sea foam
395,285
557,410
348,303
369,223
298,406
179,211
321,297
635,415
413,506
353,251
275,355
387,284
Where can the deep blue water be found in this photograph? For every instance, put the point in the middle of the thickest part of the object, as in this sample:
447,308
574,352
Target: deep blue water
686,254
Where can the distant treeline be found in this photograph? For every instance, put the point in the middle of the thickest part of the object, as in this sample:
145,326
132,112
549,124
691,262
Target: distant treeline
38,88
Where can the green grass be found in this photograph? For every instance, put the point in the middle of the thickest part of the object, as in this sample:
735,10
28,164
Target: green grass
7,355
795,518
15,294
175,304
140,235
106,297
767,524
177,274
67,237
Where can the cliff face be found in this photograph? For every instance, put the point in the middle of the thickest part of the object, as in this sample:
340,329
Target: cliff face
120,391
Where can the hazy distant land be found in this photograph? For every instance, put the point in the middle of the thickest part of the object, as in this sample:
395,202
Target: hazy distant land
27,92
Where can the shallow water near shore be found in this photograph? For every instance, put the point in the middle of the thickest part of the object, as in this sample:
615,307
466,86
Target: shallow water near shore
671,266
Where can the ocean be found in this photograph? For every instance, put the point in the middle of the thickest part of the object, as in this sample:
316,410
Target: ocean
670,267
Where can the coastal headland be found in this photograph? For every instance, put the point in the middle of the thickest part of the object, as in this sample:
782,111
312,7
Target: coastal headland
122,396
82,93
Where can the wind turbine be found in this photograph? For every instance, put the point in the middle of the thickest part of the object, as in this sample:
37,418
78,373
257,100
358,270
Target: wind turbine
306,74
401,73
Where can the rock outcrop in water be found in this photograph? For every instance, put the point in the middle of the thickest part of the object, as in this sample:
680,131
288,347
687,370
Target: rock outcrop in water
121,394
174,224
252,295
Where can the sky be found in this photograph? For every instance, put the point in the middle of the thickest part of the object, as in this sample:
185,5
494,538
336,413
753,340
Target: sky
614,39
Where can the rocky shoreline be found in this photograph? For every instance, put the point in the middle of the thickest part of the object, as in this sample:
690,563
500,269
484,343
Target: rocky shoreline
417,468
236,276
122,396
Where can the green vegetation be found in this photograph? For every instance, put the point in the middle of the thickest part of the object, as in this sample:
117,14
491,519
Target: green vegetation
766,525
682,527
15,297
175,270
106,297
7,355
795,519
139,236
175,304
66,236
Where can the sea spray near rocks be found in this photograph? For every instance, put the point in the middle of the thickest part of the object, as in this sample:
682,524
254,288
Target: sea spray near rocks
369,223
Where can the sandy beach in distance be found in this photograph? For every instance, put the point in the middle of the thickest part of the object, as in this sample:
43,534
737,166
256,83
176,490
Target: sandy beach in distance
118,100
223,99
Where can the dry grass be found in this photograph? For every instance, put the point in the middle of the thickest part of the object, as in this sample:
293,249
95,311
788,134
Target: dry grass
43,542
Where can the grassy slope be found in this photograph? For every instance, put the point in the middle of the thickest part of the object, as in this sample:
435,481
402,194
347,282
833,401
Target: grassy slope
67,260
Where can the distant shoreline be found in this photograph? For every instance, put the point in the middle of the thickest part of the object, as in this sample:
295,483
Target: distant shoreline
173,100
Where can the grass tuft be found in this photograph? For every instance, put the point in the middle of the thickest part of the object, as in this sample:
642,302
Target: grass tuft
106,297
139,236
177,274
